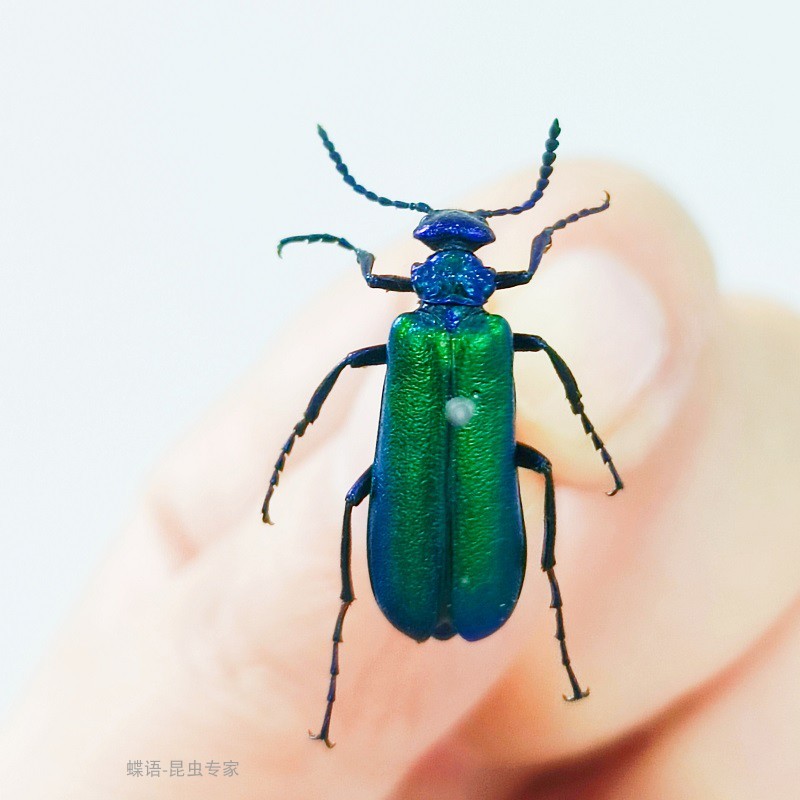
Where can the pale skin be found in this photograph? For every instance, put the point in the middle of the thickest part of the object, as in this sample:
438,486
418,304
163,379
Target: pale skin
206,635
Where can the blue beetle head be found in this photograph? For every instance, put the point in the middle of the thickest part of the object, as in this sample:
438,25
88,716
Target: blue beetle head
453,229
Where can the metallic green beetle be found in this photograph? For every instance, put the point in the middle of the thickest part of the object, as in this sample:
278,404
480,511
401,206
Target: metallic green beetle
446,536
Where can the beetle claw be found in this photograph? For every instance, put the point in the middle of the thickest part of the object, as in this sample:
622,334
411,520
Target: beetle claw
578,696
618,484
328,743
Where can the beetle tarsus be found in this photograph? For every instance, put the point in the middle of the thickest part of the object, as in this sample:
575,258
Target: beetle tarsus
313,238
298,430
322,738
561,636
618,484
579,695
265,507
356,495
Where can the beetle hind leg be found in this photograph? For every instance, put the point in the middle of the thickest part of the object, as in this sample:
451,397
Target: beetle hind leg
357,493
556,603
528,458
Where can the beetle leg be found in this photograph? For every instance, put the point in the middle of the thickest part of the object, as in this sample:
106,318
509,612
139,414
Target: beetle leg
527,342
357,493
528,458
391,283
542,243
366,357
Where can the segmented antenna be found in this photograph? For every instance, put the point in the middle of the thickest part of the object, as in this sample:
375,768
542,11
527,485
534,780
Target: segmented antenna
357,187
548,157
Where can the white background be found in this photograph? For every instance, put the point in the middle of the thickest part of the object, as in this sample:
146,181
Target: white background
152,153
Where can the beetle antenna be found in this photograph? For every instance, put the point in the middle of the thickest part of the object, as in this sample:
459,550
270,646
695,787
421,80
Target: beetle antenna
548,157
357,187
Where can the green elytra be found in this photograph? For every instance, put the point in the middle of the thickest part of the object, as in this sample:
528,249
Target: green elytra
445,540
446,535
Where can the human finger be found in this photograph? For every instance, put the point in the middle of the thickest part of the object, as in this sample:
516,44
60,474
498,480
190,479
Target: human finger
697,562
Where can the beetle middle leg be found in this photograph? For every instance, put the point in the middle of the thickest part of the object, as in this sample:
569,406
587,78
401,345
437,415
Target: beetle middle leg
357,493
526,342
528,458
366,357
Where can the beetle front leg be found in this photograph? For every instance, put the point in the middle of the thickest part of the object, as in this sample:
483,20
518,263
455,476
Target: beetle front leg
391,283
366,357
528,458
542,243
357,493
524,342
